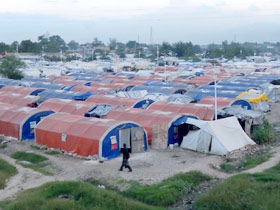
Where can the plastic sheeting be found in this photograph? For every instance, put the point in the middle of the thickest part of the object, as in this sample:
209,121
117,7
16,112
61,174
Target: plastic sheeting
216,137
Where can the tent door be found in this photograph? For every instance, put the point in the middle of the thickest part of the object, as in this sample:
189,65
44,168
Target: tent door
124,137
137,140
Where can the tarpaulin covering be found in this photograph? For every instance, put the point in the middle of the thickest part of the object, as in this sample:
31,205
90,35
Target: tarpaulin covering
20,90
82,136
200,112
114,101
68,106
19,122
17,99
148,118
218,137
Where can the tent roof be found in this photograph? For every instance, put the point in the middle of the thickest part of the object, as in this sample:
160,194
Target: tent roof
201,112
17,99
68,106
227,132
19,89
112,100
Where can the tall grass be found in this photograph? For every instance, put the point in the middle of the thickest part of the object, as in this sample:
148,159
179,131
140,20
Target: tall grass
168,191
245,191
72,195
6,171
36,162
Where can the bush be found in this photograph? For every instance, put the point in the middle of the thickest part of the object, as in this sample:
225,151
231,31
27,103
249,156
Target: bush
10,67
245,191
264,133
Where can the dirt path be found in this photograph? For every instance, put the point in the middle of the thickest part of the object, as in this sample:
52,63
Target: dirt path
148,168
25,179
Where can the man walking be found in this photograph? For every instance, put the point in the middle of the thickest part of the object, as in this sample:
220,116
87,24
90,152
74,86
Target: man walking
125,159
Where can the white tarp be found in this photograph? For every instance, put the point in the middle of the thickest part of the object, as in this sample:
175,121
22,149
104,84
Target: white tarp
216,137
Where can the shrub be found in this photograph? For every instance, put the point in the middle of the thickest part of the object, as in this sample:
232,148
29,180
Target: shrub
264,133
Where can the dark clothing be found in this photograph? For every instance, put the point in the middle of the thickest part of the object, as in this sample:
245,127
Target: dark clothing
125,159
126,155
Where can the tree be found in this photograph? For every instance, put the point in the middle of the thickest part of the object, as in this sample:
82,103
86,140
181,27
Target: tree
5,48
166,48
97,43
73,45
112,44
27,46
52,44
10,67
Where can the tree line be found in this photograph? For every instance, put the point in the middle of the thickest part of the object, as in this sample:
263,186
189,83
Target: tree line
186,50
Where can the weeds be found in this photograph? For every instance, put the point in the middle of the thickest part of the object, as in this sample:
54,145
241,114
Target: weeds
264,134
6,171
34,161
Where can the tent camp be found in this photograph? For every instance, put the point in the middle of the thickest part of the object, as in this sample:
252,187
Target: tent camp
90,136
218,137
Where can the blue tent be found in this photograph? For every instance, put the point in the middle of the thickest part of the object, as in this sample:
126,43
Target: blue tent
243,103
143,104
107,151
28,127
175,132
37,92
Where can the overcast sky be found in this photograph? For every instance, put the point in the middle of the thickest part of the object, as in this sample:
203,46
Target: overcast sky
199,21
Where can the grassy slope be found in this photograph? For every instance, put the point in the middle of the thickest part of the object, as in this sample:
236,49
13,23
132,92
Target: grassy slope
79,195
251,161
6,171
245,191
38,162
168,191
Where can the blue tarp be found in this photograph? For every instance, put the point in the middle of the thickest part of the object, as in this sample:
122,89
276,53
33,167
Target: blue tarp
176,138
47,85
143,104
65,95
29,125
243,103
107,151
11,82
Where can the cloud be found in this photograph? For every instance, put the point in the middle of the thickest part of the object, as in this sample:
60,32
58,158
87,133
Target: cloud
85,9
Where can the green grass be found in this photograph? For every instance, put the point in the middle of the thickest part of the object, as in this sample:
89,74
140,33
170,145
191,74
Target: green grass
168,191
248,162
37,162
6,171
70,195
264,133
245,191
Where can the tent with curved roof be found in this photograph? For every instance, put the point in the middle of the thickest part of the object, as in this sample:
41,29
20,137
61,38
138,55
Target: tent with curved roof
66,94
89,136
112,100
17,99
47,85
12,82
199,111
68,106
221,101
22,90
148,119
20,122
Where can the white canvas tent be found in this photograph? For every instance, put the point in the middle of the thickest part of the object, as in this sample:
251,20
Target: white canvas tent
216,137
